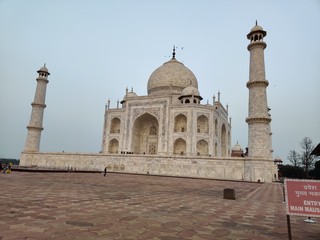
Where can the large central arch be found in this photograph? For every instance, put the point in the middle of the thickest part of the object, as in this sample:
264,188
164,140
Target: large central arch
145,134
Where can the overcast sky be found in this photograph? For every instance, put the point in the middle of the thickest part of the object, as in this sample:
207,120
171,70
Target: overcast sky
95,49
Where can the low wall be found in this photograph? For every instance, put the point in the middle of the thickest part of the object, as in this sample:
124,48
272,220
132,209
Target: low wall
243,169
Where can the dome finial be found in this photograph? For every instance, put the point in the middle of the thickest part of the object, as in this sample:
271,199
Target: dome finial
174,52
256,22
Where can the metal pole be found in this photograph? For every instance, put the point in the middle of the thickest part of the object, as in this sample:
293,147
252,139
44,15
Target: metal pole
289,227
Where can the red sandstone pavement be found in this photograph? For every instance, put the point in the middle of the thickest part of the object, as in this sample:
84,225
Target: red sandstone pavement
122,206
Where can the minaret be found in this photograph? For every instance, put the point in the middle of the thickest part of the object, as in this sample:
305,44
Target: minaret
259,135
38,105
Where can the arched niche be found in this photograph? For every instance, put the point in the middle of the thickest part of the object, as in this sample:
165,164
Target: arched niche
115,125
202,148
179,147
180,123
113,146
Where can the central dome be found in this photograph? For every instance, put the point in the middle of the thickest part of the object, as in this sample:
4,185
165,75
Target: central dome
171,77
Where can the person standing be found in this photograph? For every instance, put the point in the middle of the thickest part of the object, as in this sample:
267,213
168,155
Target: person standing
5,168
105,171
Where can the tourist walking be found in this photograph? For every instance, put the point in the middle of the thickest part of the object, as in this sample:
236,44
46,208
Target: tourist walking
105,171
5,168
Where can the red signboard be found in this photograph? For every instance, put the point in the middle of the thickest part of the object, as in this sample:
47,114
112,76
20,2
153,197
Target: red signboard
302,197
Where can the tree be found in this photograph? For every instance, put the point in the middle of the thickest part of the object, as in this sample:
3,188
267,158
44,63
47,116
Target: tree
315,173
288,171
307,160
294,158
8,160
317,169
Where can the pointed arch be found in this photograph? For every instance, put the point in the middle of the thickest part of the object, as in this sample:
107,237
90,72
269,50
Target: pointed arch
223,141
180,123
115,125
228,144
113,146
203,124
216,127
179,146
216,149
202,148
145,133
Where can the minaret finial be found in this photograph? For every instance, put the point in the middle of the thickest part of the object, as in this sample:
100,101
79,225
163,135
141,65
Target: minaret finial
44,64
174,52
256,22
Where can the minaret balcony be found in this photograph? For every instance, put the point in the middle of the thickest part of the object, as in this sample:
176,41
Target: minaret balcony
35,128
40,105
42,79
258,120
263,83
257,44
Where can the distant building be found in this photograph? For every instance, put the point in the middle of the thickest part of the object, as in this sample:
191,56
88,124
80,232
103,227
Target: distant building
237,151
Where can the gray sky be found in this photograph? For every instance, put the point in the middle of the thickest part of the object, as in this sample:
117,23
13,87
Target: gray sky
95,49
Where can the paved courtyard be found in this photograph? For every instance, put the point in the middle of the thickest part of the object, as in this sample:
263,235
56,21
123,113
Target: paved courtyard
120,206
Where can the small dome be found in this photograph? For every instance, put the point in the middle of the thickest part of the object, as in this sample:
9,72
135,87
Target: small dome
256,33
237,151
129,95
43,69
256,28
237,147
190,91
171,77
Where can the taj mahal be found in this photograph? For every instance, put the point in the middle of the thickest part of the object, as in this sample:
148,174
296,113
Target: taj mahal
170,132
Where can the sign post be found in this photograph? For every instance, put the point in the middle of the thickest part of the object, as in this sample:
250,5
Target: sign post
302,199
289,227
